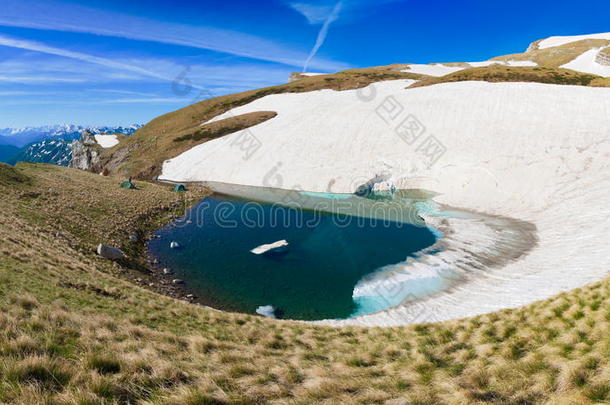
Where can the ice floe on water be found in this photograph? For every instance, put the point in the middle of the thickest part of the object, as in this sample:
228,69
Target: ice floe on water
267,311
280,245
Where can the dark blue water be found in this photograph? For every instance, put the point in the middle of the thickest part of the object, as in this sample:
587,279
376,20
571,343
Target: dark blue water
313,279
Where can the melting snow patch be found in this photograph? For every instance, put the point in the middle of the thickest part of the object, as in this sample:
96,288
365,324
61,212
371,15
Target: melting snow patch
586,63
106,141
558,41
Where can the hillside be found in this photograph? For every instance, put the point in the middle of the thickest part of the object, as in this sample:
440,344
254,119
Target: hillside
142,155
80,330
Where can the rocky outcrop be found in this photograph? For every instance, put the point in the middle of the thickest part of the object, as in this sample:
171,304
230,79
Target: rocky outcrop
379,186
295,76
110,253
534,46
603,57
85,152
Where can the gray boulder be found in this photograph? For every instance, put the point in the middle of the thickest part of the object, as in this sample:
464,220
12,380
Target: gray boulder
109,252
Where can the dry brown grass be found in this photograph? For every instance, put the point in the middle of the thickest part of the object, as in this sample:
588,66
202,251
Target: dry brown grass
226,126
499,73
115,342
556,56
605,51
601,82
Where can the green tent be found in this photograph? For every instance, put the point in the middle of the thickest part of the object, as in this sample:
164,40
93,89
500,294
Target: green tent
128,185
179,187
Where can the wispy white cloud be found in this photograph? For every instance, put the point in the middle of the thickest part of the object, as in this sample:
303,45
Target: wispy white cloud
124,92
147,100
61,17
39,79
39,47
63,71
12,93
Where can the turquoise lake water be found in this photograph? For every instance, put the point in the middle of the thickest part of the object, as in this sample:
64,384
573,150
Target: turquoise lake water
329,251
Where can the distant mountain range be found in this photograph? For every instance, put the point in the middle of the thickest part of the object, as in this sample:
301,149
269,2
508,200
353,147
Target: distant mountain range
21,137
48,144
54,151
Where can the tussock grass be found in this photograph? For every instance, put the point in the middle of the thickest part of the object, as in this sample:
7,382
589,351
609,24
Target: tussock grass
557,56
61,344
499,73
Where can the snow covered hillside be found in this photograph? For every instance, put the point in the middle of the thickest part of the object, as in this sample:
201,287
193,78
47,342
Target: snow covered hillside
588,63
563,40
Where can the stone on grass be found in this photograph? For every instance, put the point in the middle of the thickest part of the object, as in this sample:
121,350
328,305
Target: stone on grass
109,252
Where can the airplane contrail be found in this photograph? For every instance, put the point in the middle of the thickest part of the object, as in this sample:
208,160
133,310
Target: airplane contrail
323,33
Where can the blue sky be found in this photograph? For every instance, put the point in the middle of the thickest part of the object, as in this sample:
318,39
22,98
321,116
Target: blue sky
110,62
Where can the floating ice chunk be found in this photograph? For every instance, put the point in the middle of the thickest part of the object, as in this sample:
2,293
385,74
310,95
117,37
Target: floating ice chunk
386,187
275,246
174,245
266,311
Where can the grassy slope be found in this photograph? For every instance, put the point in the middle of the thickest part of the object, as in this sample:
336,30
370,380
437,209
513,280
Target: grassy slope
556,56
142,154
73,331
499,73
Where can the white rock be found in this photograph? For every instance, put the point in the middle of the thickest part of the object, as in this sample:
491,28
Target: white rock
110,253
269,247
